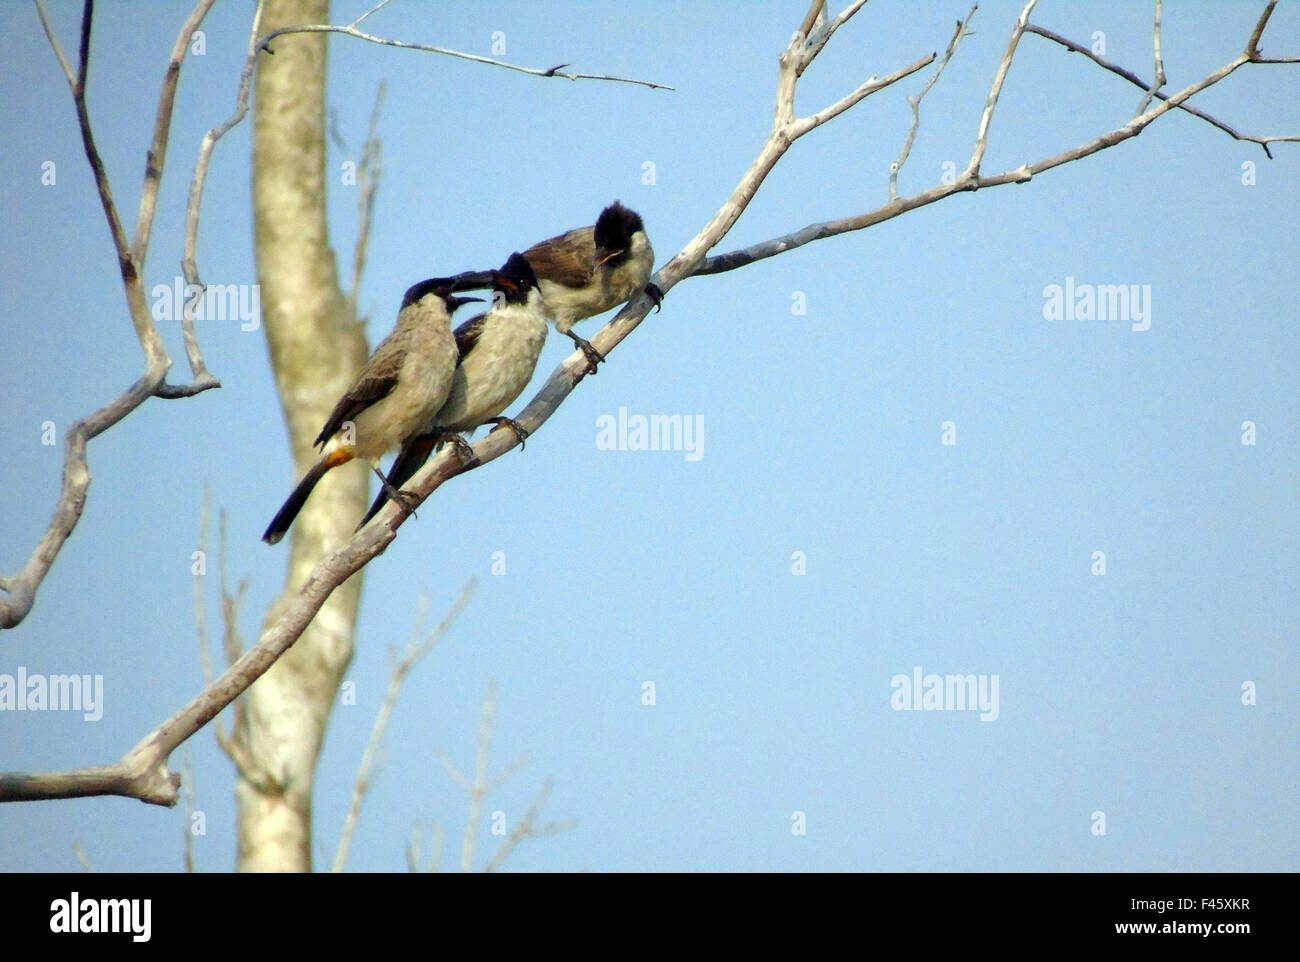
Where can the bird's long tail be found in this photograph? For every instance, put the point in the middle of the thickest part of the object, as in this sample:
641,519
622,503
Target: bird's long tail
284,517
409,460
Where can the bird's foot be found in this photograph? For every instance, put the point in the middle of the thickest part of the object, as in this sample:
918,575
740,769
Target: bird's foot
653,292
513,425
405,499
463,450
594,356
408,502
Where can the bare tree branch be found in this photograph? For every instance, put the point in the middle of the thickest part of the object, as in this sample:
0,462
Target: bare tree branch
819,36
915,102
1252,45
232,745
528,828
81,857
479,788
417,648
968,182
1159,63
162,126
415,849
369,168
1137,81
999,78
21,588
815,12
189,811
352,31
189,266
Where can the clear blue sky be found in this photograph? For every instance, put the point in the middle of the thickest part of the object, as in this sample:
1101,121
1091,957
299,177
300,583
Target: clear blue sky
822,435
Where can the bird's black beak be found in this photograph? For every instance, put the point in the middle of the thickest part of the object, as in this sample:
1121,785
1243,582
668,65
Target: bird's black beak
455,302
472,281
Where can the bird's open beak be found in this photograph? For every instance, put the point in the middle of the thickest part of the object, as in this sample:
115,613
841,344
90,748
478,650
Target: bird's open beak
455,302
603,255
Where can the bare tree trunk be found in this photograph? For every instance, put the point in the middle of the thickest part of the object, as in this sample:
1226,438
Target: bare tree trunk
316,348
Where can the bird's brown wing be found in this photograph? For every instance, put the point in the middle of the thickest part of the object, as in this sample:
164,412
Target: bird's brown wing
467,336
568,259
375,382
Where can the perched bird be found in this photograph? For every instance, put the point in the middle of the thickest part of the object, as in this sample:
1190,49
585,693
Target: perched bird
406,380
498,351
588,271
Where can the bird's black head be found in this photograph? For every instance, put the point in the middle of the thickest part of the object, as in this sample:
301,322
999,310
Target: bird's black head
615,227
514,280
440,286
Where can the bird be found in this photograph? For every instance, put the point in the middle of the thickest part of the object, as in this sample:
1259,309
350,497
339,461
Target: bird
588,270
404,382
497,354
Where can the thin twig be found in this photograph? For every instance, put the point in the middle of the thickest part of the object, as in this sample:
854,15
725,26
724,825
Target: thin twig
366,15
231,745
352,31
189,265
822,35
1252,45
1159,64
1137,81
369,169
528,828
81,856
54,42
995,91
200,618
416,650
162,126
479,787
189,811
915,102
415,849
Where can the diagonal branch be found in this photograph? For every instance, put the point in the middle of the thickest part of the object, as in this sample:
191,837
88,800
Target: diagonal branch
1134,79
162,126
149,340
866,89
999,78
